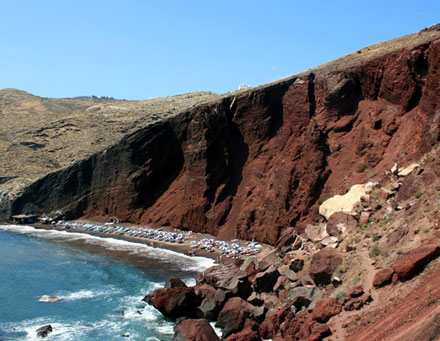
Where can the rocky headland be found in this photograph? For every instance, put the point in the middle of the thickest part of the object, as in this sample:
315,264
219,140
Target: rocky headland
337,167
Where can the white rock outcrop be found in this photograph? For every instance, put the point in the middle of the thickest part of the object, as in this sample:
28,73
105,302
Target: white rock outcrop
346,203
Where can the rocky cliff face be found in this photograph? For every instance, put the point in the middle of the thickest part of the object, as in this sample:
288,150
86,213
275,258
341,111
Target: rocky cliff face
254,163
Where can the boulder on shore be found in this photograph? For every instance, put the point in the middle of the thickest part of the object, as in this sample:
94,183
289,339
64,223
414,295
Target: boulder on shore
233,315
211,304
174,302
249,332
194,330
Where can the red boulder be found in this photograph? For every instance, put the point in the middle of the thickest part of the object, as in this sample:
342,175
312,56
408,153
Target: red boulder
325,308
233,315
194,330
413,261
383,277
271,325
174,302
323,264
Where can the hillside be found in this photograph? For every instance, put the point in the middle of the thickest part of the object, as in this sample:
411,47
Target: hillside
337,166
41,135
309,137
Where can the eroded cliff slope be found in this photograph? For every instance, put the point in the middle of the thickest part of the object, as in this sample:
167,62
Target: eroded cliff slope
254,163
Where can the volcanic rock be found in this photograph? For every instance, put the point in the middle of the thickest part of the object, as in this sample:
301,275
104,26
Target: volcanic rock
356,291
364,218
356,303
304,297
270,301
213,275
325,308
271,325
175,283
312,233
194,330
245,165
413,261
265,281
255,299
331,241
174,302
233,315
44,330
323,264
267,258
237,286
383,277
249,332
302,327
339,222
286,239
209,307
296,265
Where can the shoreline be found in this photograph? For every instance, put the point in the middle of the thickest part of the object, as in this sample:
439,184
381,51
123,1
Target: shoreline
184,248
179,248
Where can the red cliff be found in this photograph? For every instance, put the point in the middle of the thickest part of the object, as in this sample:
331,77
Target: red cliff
256,162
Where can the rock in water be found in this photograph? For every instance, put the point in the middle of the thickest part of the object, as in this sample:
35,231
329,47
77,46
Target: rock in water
46,298
44,330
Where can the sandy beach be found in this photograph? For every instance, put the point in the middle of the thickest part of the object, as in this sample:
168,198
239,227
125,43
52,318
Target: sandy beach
186,247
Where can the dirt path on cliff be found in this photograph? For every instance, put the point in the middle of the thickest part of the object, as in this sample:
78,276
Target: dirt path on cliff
407,311
337,322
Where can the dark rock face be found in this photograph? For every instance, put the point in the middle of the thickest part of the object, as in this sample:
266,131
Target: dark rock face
323,264
194,330
303,135
265,281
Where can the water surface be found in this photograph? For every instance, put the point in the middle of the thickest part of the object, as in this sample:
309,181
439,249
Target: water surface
96,278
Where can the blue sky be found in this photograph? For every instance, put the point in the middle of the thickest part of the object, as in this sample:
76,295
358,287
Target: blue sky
141,49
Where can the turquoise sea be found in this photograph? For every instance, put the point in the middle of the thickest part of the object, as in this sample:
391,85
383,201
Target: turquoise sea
100,283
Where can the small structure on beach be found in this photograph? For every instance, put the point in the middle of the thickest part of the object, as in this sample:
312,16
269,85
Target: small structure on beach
24,218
